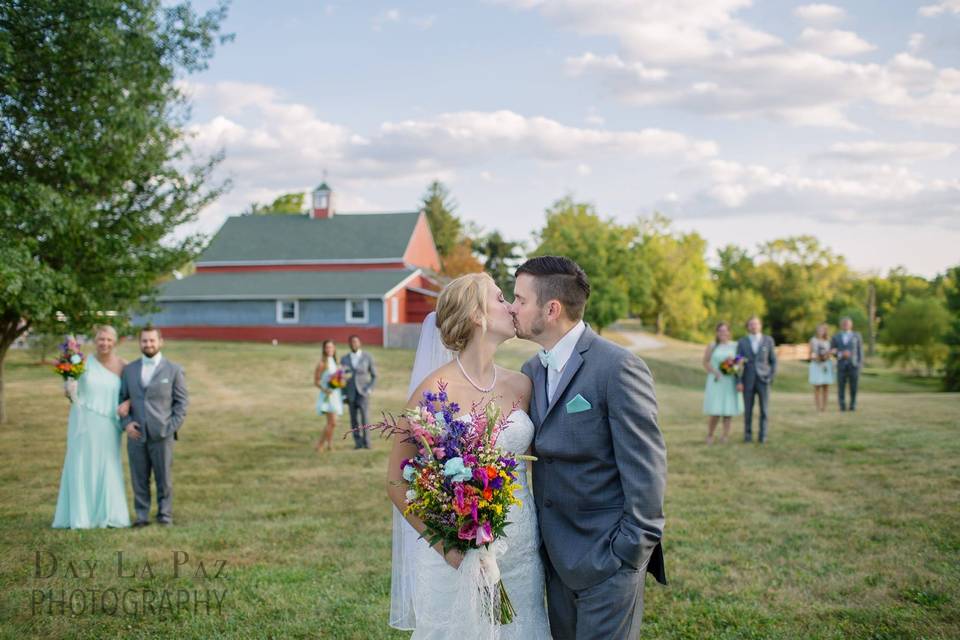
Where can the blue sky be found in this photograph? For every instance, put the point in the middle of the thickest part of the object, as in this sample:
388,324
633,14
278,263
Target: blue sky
743,121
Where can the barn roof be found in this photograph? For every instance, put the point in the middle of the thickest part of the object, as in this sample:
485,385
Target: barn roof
251,285
292,238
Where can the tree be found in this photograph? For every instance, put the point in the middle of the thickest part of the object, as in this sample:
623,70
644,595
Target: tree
600,247
461,260
285,204
951,290
93,156
798,278
915,331
500,259
736,306
446,228
681,287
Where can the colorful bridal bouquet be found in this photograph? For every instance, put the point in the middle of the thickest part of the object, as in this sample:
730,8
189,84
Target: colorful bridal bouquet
461,486
337,380
70,366
733,366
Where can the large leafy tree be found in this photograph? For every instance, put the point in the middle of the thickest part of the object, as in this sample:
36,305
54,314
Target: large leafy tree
600,247
681,286
914,333
798,277
95,173
951,290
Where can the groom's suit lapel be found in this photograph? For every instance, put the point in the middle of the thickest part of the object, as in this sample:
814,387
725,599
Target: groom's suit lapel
540,391
136,370
569,371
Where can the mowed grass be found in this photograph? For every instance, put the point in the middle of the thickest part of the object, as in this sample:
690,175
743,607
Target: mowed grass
842,526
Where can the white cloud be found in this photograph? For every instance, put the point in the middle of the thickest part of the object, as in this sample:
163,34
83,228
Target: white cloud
820,13
701,57
880,152
916,42
948,6
880,194
834,42
384,17
274,146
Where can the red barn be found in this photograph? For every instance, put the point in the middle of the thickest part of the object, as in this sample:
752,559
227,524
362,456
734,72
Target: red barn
306,278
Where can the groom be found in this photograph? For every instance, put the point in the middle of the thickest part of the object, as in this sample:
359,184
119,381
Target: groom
157,393
601,463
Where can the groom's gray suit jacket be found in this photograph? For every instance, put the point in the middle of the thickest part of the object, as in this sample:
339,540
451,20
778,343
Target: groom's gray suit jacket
161,407
600,474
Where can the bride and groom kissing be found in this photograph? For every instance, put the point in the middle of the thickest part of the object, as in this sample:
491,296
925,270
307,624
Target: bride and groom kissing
585,408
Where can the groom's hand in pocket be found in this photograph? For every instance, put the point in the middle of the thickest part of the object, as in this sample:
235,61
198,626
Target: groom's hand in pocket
133,431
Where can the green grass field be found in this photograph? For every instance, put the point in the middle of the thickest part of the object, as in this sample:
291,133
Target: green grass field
842,526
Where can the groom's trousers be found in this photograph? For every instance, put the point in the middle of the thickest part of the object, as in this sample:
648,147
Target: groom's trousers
847,374
358,418
611,610
154,456
761,391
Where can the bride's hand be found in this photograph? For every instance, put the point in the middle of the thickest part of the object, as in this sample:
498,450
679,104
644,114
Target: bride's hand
123,410
453,557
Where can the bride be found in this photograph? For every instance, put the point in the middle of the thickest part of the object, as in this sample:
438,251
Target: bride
472,319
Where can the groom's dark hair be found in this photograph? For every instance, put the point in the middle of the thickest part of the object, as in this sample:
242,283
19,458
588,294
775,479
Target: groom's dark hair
559,278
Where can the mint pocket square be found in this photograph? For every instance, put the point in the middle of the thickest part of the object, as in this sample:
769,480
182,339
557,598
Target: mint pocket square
578,405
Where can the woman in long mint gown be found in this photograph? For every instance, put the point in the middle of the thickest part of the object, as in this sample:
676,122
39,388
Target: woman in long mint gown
721,400
92,493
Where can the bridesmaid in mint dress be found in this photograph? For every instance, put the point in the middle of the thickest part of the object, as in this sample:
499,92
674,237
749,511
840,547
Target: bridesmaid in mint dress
721,398
330,400
92,493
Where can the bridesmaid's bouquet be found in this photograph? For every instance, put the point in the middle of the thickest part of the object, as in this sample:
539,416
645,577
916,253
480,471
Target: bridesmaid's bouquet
338,379
70,366
461,486
733,366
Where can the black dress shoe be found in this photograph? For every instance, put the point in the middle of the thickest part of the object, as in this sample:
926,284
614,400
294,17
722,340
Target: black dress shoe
141,523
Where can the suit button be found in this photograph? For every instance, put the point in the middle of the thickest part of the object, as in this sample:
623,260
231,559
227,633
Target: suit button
548,503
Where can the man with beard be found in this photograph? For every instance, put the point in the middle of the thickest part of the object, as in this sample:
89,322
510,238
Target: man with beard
157,395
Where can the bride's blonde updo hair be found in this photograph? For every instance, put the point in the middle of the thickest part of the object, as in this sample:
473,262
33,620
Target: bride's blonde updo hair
461,304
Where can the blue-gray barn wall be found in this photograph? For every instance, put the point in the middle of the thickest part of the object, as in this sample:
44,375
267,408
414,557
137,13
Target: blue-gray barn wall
313,313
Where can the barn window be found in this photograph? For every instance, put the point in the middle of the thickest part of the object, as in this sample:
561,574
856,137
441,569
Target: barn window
288,311
358,311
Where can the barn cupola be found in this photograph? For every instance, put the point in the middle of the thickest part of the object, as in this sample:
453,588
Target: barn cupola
322,206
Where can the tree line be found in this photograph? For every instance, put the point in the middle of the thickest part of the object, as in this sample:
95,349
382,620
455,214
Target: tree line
652,271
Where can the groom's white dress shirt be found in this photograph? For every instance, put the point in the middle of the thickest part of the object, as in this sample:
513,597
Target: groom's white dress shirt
148,367
755,339
355,358
559,355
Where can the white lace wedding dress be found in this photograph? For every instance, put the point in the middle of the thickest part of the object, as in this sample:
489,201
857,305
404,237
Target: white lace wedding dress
520,566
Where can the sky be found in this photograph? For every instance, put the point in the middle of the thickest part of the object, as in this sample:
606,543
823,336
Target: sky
743,121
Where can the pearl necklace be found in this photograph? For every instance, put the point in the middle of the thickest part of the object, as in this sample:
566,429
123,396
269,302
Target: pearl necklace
475,385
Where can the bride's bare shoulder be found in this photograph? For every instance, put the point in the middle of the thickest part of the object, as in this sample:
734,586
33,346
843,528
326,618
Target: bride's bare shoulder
516,379
431,381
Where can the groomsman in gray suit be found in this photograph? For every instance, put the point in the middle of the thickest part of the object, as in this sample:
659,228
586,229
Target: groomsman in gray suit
601,469
848,345
158,399
359,366
757,376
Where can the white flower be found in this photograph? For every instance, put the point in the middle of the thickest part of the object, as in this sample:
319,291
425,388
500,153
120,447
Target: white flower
411,495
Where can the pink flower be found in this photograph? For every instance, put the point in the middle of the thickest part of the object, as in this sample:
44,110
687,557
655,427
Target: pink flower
484,534
439,453
467,531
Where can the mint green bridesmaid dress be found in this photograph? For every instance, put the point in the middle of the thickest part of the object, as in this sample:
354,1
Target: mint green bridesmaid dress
720,397
92,493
